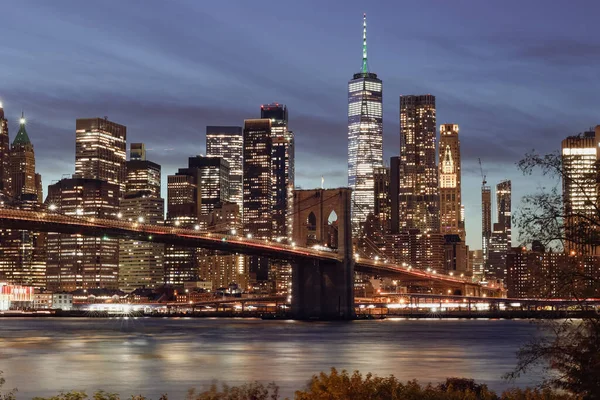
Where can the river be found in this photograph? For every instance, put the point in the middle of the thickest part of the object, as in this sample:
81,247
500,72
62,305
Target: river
150,356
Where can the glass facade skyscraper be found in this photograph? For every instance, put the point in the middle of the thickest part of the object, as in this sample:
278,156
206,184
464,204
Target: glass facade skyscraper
450,181
100,151
227,142
4,152
419,200
365,137
283,166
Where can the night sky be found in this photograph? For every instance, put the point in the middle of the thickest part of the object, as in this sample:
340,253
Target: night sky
514,75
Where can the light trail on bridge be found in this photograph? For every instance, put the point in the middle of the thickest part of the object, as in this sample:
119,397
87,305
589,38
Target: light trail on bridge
48,221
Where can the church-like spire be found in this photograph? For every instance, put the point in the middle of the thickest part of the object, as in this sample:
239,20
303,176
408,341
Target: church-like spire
22,137
365,66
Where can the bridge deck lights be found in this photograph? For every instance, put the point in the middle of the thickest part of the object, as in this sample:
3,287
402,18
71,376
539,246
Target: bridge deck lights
197,227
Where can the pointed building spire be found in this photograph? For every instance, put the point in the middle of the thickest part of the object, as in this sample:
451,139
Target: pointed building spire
22,137
365,67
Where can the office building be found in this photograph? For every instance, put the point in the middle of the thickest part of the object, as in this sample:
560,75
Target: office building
503,209
184,202
283,166
23,178
486,219
258,178
100,151
365,136
76,261
383,207
580,157
142,174
419,200
395,170
141,262
477,264
495,267
451,220
4,152
22,253
227,142
213,181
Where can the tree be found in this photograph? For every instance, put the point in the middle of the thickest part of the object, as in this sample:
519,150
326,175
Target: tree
565,218
10,395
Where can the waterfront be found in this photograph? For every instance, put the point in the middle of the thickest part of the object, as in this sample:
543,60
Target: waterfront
153,356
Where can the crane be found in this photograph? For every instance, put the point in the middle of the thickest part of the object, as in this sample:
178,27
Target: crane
483,181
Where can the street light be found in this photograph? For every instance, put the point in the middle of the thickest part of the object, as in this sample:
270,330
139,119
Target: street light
197,227
52,207
141,219
249,236
234,231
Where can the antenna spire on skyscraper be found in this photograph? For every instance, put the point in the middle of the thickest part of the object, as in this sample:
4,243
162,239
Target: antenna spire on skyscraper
365,67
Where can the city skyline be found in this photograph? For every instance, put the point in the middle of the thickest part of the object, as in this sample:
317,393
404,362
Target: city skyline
51,118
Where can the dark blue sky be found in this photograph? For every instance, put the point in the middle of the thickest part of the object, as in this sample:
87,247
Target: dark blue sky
516,75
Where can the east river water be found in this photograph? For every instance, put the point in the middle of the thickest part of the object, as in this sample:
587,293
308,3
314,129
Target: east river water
150,356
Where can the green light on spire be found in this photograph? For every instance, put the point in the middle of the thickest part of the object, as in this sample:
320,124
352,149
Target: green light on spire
365,67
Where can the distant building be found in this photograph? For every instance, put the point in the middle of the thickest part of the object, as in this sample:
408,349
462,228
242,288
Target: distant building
141,263
283,166
477,264
365,136
76,261
486,220
419,199
258,178
4,153
142,174
100,151
213,181
504,209
227,142
580,160
62,301
22,253
383,206
450,182
496,262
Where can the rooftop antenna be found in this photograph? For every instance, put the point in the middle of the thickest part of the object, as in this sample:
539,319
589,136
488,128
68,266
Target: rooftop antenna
365,67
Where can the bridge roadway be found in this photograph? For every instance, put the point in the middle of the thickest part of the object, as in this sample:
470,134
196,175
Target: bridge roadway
47,221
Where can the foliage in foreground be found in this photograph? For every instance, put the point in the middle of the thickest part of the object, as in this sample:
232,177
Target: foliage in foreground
339,386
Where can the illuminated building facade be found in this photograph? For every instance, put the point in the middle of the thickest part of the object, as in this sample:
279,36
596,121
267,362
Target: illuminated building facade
258,178
486,220
213,180
100,151
503,208
383,209
580,157
283,165
140,262
183,210
82,262
23,178
451,221
365,137
227,142
419,201
22,253
495,267
142,174
4,152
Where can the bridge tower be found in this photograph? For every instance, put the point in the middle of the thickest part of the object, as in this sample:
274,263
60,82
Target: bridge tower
323,289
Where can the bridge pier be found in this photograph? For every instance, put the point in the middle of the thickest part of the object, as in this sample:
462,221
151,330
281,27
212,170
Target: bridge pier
322,290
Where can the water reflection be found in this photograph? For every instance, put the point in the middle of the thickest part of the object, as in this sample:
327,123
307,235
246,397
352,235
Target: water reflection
154,356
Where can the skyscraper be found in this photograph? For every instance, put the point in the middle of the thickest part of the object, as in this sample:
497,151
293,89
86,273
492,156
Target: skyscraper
580,160
76,261
395,170
184,202
258,178
4,152
227,142
450,181
22,253
503,208
213,181
100,151
365,136
419,200
283,165
141,264
23,179
486,219
383,208
142,174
